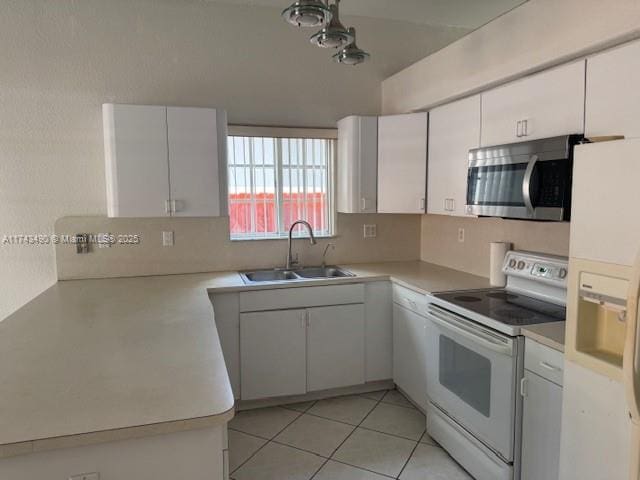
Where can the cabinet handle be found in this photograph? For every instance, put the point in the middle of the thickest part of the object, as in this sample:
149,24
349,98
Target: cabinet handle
453,204
167,206
422,204
525,130
173,206
308,317
550,367
523,387
519,129
363,203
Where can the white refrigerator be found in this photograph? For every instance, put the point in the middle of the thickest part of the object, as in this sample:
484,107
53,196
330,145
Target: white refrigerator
600,416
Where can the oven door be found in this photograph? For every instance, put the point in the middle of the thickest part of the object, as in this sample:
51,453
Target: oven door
532,187
472,376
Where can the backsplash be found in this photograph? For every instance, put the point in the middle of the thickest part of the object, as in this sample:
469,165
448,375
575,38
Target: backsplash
440,245
203,245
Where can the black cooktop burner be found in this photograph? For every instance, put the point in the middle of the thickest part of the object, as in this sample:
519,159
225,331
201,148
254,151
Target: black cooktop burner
506,307
502,295
468,298
514,315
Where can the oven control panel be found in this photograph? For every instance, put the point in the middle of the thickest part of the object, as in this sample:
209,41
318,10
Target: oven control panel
548,269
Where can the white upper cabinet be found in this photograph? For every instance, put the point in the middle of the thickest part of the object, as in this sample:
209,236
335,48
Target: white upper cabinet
357,164
613,97
163,161
454,129
402,163
544,105
135,141
197,149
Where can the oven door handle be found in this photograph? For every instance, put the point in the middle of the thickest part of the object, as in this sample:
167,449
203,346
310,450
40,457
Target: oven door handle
526,183
486,340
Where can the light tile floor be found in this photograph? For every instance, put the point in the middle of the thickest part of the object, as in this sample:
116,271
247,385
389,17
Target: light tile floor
373,436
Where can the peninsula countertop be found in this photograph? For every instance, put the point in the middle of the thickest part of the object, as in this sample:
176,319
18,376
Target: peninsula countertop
105,359
111,359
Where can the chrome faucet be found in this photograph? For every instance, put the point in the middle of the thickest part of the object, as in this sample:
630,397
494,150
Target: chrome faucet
290,260
331,246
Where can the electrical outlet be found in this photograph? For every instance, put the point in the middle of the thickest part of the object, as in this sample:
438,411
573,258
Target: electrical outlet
370,231
461,235
167,239
86,476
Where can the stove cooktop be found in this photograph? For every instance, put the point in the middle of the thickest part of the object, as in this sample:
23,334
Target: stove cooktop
505,306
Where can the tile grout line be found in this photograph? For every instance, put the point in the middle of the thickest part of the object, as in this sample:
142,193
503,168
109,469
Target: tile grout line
306,411
349,436
268,441
411,455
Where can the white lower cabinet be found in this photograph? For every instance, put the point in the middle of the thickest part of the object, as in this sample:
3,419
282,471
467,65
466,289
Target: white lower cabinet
273,353
335,346
542,412
290,341
409,354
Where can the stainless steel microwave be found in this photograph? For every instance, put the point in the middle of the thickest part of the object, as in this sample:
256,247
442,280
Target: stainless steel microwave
528,180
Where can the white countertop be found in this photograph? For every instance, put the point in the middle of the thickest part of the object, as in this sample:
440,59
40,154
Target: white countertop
550,334
92,356
96,360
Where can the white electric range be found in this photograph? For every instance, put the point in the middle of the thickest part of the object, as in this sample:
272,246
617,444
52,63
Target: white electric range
475,362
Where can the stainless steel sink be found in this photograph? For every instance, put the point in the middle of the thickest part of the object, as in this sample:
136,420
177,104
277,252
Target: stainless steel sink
269,276
301,274
322,272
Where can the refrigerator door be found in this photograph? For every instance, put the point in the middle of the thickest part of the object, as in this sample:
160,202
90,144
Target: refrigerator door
605,202
631,369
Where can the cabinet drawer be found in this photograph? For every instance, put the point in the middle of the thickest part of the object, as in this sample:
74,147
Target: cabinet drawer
545,361
414,301
301,297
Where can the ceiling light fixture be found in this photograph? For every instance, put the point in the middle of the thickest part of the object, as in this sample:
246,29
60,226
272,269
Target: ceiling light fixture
307,13
351,54
334,35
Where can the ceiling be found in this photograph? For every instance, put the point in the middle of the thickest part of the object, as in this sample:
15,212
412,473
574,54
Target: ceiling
468,14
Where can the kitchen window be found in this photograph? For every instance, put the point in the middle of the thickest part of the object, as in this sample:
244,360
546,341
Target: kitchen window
277,176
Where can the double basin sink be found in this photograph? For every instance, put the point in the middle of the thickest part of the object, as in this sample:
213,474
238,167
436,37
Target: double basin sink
294,275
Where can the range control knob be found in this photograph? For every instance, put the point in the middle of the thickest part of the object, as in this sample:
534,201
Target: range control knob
562,273
512,263
521,265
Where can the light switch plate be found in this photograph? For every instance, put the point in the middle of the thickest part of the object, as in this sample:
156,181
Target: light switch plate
370,231
86,476
167,239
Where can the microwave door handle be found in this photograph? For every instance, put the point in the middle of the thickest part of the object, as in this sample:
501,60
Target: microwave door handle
526,183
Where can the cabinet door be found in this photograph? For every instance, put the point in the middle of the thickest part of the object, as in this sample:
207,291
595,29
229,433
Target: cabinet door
409,354
272,354
196,139
454,129
544,105
335,343
402,163
613,97
541,428
136,160
357,164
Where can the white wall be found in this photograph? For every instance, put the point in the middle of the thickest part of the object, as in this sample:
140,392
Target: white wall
538,34
439,240
61,59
